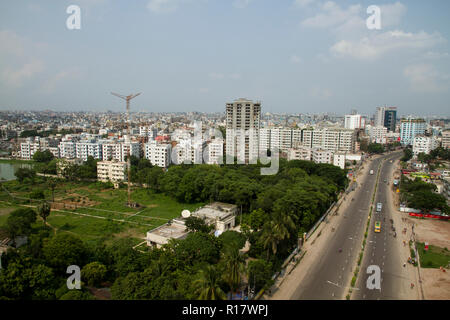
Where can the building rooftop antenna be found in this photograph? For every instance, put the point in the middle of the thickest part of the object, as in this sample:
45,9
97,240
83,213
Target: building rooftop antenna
127,99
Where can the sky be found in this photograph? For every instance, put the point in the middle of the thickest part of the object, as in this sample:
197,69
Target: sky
295,56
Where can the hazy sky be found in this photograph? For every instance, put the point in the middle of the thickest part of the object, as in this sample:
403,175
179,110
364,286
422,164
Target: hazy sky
195,55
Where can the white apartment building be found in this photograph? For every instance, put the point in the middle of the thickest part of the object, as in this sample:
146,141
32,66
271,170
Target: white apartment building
410,128
377,134
150,132
299,153
85,149
264,139
113,171
188,151
67,149
322,156
119,151
446,139
354,121
339,160
27,149
215,152
281,138
158,154
424,144
242,130
333,139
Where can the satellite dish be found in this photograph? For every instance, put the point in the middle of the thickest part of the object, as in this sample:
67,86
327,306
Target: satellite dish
217,233
185,213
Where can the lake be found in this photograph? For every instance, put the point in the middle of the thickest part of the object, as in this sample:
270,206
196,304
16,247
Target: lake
7,169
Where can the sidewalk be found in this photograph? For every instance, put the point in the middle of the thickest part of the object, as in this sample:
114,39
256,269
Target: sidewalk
313,248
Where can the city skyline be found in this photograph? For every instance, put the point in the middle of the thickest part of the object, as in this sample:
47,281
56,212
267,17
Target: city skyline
187,55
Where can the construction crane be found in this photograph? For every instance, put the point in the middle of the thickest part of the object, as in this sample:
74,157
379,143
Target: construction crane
127,99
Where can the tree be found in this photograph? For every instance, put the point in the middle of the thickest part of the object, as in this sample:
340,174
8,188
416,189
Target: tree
93,273
64,250
52,183
259,274
375,148
19,222
407,155
77,295
37,194
207,285
195,224
44,211
234,263
232,239
24,173
43,156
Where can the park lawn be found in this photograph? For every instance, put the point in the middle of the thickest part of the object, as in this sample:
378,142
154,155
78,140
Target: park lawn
5,210
435,257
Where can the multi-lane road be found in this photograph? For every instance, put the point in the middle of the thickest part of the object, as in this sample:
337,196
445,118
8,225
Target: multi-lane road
383,248
332,272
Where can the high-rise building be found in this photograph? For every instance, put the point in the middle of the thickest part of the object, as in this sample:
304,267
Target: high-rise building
242,130
354,121
387,117
410,128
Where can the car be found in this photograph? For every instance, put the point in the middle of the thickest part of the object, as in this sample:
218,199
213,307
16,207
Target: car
385,180
379,206
377,226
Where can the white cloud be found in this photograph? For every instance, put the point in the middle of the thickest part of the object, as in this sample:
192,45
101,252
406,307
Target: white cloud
425,78
373,47
11,43
433,55
216,75
235,76
392,14
17,77
333,16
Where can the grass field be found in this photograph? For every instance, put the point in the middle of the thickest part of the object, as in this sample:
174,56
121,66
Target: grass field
435,257
93,212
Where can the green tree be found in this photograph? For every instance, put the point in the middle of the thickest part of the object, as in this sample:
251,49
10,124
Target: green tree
37,194
43,156
52,184
259,274
19,222
407,155
234,263
375,148
195,224
64,250
207,285
24,173
44,211
77,295
93,273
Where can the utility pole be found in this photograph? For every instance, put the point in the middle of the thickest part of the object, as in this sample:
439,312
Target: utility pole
127,99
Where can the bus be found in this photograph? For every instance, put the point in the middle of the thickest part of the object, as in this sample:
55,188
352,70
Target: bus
377,226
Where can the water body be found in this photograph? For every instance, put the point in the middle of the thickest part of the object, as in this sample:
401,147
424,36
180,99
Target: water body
7,169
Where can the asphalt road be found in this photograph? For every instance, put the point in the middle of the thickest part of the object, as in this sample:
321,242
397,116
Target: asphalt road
382,249
330,278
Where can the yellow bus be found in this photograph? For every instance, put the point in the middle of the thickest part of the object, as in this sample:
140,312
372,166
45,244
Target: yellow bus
377,226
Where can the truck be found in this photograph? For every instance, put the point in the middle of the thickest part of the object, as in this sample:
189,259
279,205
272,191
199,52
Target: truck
371,171
379,207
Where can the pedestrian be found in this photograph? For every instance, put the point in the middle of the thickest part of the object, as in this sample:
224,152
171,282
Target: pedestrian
404,264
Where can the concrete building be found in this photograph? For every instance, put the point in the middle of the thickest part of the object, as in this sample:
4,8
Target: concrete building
410,128
158,154
299,153
28,148
377,134
113,171
214,151
354,121
242,130
424,144
322,156
221,215
386,117
119,151
339,160
67,149
281,138
84,149
446,139
264,139
333,139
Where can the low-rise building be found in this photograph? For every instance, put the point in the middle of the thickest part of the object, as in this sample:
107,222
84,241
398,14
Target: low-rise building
299,153
424,144
158,154
113,171
322,156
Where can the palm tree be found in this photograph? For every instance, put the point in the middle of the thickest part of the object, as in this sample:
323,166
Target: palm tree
207,284
234,263
278,229
270,238
44,211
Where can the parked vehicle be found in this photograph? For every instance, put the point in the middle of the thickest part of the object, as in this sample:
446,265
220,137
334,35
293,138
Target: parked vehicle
371,171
